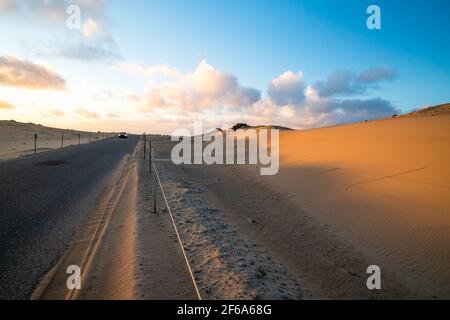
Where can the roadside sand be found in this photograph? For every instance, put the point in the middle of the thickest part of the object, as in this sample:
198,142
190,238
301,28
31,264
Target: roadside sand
111,275
225,265
103,248
124,251
17,139
161,272
248,241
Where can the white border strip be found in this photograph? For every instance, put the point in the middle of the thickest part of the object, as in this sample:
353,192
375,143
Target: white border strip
178,235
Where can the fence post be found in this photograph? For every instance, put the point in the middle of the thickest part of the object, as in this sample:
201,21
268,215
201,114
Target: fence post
79,139
154,185
35,143
145,145
62,139
150,156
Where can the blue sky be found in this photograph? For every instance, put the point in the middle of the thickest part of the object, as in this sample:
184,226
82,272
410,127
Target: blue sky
257,39
254,42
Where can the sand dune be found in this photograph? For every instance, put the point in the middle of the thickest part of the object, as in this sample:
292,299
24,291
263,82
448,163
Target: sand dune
17,139
346,197
386,184
439,110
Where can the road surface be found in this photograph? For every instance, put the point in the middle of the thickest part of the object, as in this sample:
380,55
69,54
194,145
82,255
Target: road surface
43,201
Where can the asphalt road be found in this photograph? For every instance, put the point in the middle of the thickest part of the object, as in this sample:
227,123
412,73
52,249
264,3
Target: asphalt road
43,201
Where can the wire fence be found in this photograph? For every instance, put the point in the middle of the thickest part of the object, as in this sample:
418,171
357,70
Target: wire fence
68,139
157,182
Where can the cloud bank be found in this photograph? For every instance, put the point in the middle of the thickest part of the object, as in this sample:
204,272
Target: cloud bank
288,101
26,74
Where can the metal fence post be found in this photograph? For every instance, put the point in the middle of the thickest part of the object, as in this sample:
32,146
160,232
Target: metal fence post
150,155
154,184
62,139
35,143
145,145
79,139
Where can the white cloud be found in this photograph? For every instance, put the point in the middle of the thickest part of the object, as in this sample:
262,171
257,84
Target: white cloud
153,73
92,42
92,29
345,82
86,114
203,89
52,10
9,6
376,75
288,88
78,46
15,72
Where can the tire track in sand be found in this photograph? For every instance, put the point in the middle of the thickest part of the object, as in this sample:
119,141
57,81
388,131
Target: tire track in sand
89,240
